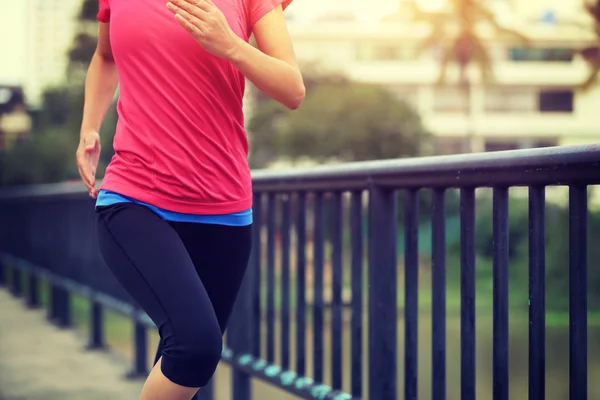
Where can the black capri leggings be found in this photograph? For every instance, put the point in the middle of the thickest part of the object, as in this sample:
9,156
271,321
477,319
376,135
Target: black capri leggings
186,276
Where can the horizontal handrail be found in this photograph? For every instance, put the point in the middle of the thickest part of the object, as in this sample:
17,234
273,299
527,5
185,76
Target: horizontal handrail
542,166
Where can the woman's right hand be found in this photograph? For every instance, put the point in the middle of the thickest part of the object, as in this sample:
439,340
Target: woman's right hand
88,155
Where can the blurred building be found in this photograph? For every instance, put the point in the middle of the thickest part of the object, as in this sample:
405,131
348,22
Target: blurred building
532,101
52,25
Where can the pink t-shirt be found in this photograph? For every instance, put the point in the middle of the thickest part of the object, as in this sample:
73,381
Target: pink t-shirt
180,142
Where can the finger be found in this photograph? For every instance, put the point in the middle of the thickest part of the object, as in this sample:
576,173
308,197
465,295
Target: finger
187,25
84,179
182,7
203,5
88,179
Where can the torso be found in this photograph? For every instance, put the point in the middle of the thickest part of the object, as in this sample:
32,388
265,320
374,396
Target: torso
180,142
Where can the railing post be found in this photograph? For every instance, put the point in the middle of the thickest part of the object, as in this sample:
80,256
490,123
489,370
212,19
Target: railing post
411,294
500,282
205,393
467,294
96,326
241,328
537,293
3,270
17,281
33,290
54,301
64,317
383,278
578,358
140,361
438,295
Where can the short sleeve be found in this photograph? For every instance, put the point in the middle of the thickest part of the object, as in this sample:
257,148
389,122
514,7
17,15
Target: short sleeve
103,11
258,8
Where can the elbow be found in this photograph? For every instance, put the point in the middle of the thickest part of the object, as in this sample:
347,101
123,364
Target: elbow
104,56
297,97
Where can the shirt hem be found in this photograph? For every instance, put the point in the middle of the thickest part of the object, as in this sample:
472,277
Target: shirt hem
177,205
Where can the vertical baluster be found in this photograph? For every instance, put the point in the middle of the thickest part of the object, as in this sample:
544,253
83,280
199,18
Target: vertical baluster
438,300
336,299
140,362
17,280
318,260
257,262
271,213
467,283
33,292
356,237
53,302
96,325
411,293
537,290
500,335
17,283
285,283
241,328
301,286
578,292
383,291
64,308
3,270
206,393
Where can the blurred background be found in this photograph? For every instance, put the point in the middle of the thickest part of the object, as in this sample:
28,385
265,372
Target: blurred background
385,79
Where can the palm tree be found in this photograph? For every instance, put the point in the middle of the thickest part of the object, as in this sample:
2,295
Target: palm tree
592,53
455,33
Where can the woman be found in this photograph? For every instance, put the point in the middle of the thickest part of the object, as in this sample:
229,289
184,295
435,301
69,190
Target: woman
174,209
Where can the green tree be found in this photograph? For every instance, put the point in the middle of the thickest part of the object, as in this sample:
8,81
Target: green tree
84,43
49,155
454,32
345,122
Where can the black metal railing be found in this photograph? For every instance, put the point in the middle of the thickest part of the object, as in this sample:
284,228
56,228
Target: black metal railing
309,276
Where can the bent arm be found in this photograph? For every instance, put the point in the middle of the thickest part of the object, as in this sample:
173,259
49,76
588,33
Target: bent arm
272,67
100,83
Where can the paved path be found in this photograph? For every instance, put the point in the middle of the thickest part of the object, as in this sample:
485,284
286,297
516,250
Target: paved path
41,362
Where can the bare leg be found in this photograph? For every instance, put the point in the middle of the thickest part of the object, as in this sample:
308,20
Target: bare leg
159,387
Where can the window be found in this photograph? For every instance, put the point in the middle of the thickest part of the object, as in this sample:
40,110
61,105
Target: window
541,54
556,101
516,144
510,100
449,145
497,145
450,100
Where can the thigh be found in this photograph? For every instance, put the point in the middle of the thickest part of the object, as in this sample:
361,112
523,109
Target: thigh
220,255
151,262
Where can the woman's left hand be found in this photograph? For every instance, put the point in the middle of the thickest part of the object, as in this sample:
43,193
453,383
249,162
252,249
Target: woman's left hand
207,24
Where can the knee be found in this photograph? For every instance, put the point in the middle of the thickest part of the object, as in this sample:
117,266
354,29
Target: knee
193,357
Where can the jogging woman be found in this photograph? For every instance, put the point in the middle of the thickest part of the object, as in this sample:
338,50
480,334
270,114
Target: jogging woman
175,207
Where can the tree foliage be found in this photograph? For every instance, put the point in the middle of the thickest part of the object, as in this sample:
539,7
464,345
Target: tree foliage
49,154
455,32
339,120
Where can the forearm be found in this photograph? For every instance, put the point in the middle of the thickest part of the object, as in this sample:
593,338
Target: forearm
276,78
100,85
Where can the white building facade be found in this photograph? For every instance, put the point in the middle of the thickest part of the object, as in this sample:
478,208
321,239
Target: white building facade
51,28
532,100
